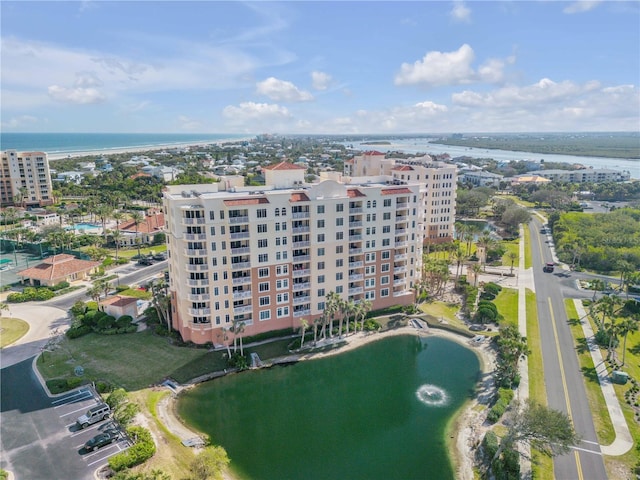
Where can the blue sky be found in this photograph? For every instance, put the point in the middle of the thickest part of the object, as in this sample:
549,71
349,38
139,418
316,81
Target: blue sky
320,67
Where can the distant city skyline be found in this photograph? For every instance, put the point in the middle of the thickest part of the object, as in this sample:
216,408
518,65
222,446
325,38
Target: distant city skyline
320,67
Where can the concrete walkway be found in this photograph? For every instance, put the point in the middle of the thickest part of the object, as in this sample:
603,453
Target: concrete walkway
623,441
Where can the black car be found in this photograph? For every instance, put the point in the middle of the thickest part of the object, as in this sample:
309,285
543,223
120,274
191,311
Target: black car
102,439
160,256
145,261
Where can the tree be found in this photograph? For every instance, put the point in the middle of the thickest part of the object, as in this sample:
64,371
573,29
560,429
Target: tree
137,219
4,306
94,292
331,308
122,409
513,256
628,325
304,324
511,347
117,236
209,464
362,309
161,301
547,430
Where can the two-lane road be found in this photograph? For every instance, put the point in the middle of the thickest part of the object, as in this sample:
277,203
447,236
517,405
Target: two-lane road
563,378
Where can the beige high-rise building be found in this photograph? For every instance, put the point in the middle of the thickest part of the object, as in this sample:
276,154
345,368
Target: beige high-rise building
25,179
269,256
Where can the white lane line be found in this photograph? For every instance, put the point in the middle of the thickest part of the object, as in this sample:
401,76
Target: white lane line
585,450
68,400
83,409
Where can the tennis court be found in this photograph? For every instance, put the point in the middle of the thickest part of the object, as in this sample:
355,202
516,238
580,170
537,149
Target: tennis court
13,262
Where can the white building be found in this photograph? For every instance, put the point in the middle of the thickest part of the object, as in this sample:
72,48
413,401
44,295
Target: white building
25,179
269,256
584,175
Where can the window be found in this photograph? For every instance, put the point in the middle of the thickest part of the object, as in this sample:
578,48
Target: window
211,215
369,282
281,284
339,276
340,207
263,257
339,262
339,221
386,255
339,248
282,297
263,272
386,229
215,276
321,292
370,270
339,289
262,243
320,265
282,312
262,213
320,278
320,209
282,269
262,228
277,212
320,223
321,306
321,237
213,246
386,215
284,212
384,292
264,301
384,280
339,235
385,267
213,230
263,287
321,252
370,257
284,226
370,295
265,314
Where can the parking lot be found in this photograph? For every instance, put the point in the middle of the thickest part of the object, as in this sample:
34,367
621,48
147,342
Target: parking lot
39,437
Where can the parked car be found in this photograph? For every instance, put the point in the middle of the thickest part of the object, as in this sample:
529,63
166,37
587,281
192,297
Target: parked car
104,438
160,256
94,415
145,261
548,267
477,327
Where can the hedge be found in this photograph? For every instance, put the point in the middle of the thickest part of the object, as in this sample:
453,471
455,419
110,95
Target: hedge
505,395
142,450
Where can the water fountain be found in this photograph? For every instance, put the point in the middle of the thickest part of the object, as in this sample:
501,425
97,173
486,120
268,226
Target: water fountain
432,395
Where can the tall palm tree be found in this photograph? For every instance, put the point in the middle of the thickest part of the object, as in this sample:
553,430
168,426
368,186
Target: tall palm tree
458,257
349,310
477,269
331,307
513,256
161,301
94,292
104,212
627,326
137,219
364,307
239,331
304,324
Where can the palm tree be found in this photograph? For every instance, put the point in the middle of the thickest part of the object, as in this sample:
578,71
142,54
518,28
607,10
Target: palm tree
137,219
316,322
331,308
104,212
486,242
239,332
364,307
597,285
458,257
628,325
116,236
161,301
349,310
94,292
225,340
304,324
476,269
513,256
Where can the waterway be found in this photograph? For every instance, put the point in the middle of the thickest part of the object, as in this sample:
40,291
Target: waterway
422,145
378,412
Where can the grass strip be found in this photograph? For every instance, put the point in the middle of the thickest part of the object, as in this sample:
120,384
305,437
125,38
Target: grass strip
528,262
507,303
11,330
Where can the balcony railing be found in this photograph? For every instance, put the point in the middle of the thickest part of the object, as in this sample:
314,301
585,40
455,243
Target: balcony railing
300,215
198,268
306,229
355,290
355,209
399,293
401,218
301,245
243,309
355,224
399,269
244,219
355,276
198,312
400,256
302,313
301,272
399,281
195,236
193,221
203,282
241,280
355,251
355,238
240,265
242,294
299,300
239,251
301,258
239,235
193,252
356,264
199,298
401,231
401,244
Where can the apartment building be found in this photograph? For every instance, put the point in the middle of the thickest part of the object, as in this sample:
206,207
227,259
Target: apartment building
269,256
584,175
25,179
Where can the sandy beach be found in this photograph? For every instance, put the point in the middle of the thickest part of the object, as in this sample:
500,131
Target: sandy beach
465,430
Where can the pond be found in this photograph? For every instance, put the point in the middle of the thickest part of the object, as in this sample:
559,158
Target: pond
378,412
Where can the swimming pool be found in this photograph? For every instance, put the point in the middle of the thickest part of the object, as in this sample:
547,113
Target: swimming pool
83,226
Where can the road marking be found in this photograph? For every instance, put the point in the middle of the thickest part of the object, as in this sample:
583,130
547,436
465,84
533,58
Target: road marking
586,450
564,383
83,409
589,441
69,400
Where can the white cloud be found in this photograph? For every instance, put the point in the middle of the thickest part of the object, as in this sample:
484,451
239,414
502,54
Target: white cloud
282,91
438,68
252,111
19,122
320,80
581,6
77,95
430,107
460,12
187,123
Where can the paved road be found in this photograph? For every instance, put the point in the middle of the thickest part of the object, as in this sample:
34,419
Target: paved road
563,378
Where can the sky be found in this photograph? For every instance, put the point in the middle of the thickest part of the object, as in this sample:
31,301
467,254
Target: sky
331,67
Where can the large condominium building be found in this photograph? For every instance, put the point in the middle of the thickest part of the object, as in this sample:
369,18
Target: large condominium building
25,179
269,256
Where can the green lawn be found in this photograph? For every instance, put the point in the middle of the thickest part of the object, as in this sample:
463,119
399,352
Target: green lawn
507,303
11,330
132,361
512,246
528,262
134,292
128,253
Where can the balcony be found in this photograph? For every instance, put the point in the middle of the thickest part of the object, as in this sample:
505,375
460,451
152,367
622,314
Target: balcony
199,298
399,269
356,264
355,224
195,236
198,268
399,281
400,293
355,277
300,245
301,286
198,312
355,251
400,256
239,235
306,229
401,244
198,283
239,251
401,231
301,258
355,209
241,280
235,220
242,309
193,221
297,215
200,326
299,300
240,265
356,290
301,272
355,238
301,313
192,252
238,295
401,218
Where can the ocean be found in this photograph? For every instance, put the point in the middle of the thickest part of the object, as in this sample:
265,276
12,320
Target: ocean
70,143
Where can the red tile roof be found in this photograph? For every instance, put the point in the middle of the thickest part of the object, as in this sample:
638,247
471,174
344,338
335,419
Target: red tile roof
395,191
139,175
118,301
373,152
245,201
403,168
150,224
58,267
299,197
284,166
352,193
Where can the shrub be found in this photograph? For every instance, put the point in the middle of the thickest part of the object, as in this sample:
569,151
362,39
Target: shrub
371,325
103,387
124,321
57,385
142,450
76,332
59,286
90,318
30,294
122,288
492,288
505,395
78,309
73,382
484,314
490,445
92,305
107,322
